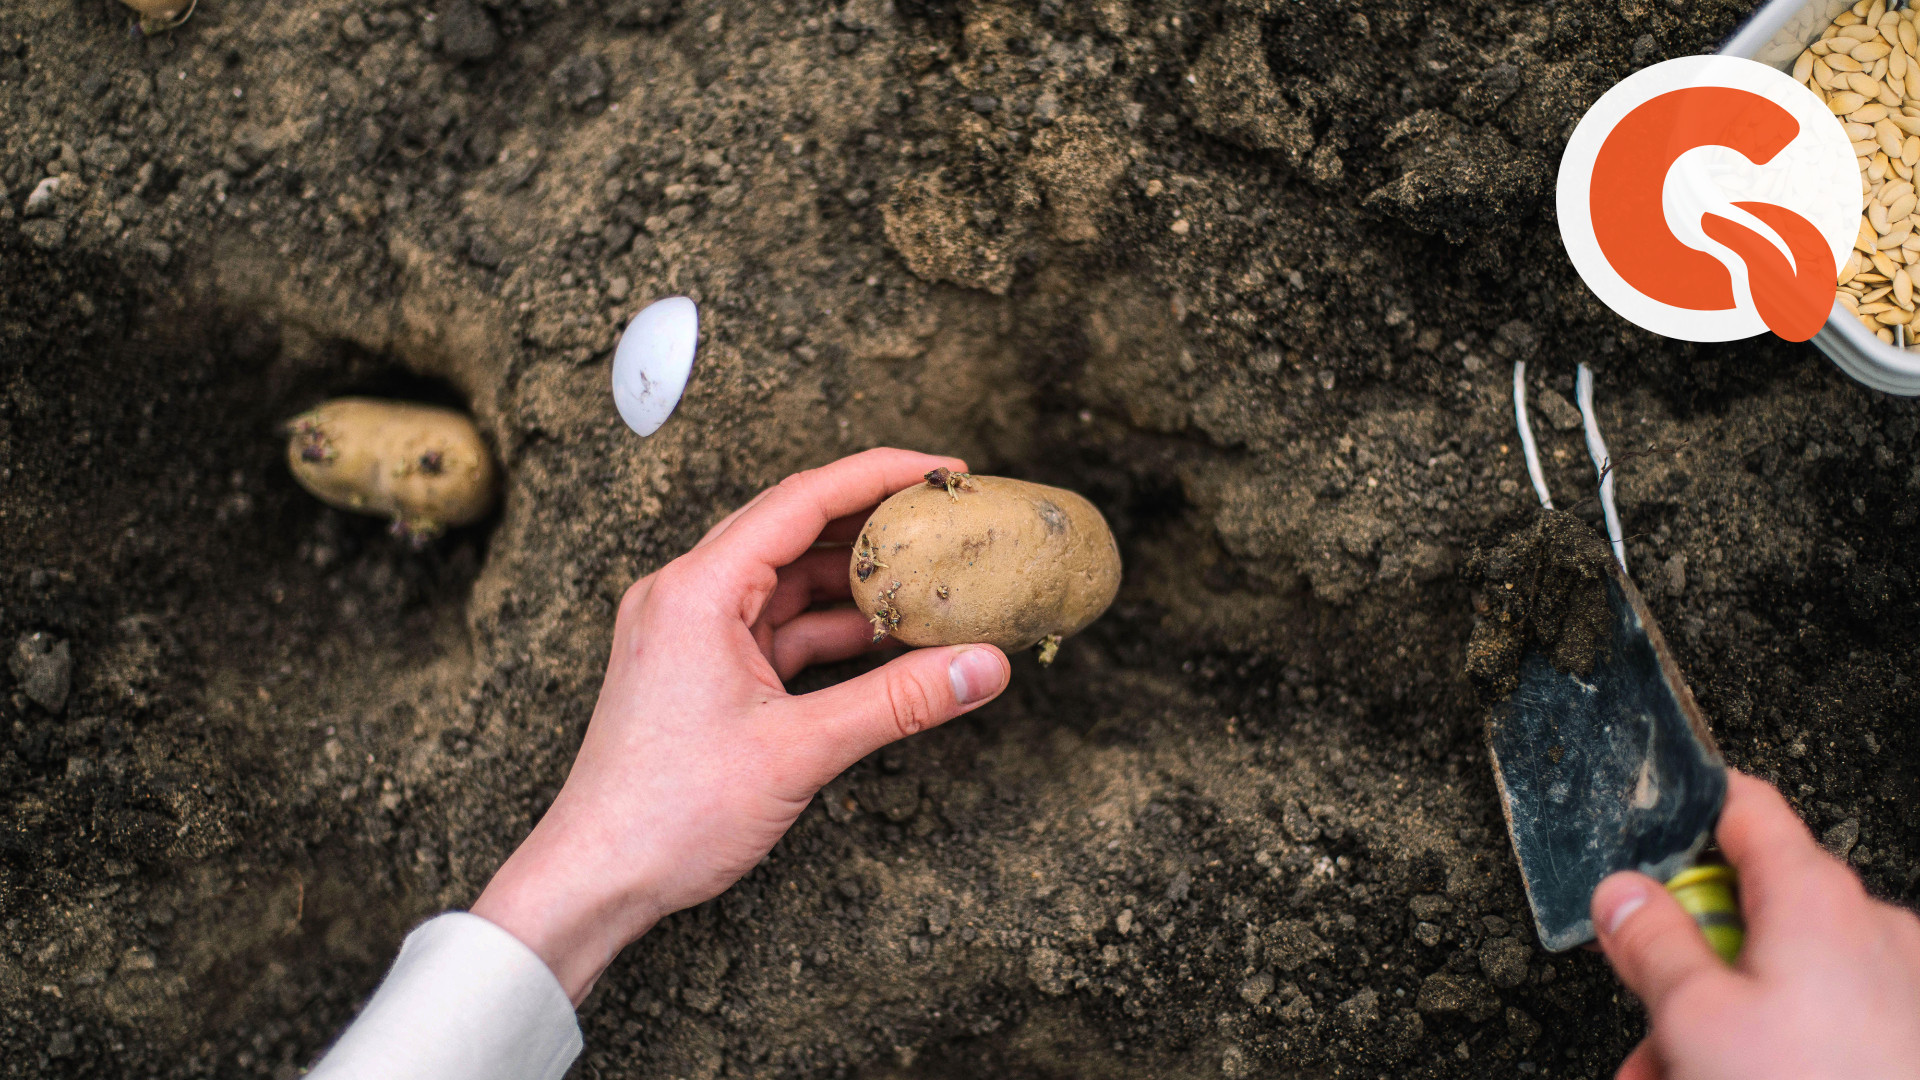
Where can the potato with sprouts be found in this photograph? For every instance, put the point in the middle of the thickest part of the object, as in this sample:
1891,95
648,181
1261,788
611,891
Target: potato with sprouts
966,558
423,466
159,15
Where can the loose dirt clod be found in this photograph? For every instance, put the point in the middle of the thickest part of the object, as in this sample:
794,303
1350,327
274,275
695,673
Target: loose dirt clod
1542,586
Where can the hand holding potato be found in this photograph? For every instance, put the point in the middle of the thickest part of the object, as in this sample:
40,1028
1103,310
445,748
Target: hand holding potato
697,760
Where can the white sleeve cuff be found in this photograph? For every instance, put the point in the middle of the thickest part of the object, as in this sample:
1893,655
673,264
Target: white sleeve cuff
465,999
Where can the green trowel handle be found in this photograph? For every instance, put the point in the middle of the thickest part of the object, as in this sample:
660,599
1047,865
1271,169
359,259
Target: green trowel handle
1711,894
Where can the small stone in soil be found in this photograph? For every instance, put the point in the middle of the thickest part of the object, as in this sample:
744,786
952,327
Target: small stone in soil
467,33
579,80
1558,411
43,666
45,194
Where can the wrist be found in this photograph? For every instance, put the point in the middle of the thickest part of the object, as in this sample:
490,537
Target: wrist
560,900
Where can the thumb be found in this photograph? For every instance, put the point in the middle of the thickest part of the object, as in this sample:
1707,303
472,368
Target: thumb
1653,945
921,689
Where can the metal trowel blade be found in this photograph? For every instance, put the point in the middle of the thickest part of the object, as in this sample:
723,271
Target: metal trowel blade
1611,771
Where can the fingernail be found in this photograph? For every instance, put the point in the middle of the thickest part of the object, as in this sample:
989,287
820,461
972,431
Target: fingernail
975,674
1623,908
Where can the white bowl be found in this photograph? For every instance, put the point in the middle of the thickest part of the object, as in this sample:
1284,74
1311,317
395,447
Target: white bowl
1776,35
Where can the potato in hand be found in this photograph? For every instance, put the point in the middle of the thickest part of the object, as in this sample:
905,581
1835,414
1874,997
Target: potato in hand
966,558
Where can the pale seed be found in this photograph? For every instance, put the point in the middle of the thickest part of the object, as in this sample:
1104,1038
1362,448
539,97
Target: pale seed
1878,72
1840,61
1908,124
1871,113
1865,85
1888,137
1897,65
1859,132
1868,52
1865,148
1803,67
1877,217
1884,263
1876,294
1909,38
1903,289
1847,101
1867,236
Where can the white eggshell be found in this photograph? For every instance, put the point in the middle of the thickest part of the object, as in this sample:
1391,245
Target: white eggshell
651,366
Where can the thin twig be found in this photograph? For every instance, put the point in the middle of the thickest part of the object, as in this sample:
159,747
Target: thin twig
1652,450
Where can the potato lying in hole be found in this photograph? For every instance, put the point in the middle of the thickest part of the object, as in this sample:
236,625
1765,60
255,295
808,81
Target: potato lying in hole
423,466
158,15
966,558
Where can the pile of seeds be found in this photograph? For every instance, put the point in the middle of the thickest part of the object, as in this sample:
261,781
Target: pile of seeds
1867,68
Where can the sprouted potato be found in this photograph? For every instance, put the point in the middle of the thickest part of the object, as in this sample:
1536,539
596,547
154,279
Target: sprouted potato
966,558
158,15
422,466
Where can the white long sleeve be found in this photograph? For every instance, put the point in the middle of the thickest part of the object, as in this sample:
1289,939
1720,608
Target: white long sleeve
465,1000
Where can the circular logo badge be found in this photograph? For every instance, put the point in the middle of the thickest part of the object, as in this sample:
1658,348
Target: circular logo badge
1711,198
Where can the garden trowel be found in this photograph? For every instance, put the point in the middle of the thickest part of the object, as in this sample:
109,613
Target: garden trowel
1611,768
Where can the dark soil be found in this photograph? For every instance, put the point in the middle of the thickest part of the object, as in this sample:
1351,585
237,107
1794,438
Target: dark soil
1542,586
1248,275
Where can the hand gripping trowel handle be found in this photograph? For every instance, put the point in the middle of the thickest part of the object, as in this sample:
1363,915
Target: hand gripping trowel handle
1710,893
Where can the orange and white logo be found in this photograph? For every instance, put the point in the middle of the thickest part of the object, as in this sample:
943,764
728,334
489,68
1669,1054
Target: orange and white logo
1711,198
